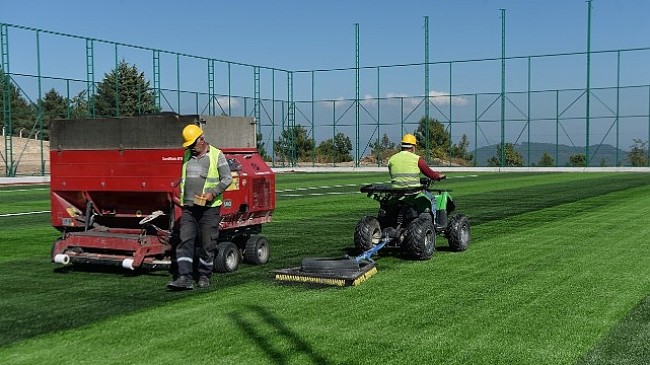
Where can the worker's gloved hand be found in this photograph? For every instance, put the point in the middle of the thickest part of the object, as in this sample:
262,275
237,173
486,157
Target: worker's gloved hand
442,177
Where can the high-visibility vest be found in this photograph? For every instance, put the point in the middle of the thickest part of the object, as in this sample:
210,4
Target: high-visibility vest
404,170
212,179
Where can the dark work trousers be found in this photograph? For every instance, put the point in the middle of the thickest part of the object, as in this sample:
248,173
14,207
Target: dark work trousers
199,230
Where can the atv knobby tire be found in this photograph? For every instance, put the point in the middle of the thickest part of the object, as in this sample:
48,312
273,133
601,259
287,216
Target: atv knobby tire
257,250
420,240
458,233
227,257
367,234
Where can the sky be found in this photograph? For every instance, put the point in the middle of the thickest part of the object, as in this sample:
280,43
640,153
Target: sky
306,35
303,35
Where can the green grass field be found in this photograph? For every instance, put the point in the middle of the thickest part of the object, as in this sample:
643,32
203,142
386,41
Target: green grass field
557,273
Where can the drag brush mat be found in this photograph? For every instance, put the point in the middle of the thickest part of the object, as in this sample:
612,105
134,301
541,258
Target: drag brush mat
343,271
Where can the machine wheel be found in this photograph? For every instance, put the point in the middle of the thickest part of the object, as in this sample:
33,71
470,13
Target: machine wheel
367,234
420,240
257,250
458,233
227,257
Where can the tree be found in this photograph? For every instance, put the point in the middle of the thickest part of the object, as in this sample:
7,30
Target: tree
546,160
23,116
460,150
54,106
260,146
638,153
384,149
577,160
336,150
134,97
440,144
79,106
439,139
512,157
294,144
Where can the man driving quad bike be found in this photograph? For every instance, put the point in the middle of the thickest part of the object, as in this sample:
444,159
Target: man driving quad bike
405,167
411,213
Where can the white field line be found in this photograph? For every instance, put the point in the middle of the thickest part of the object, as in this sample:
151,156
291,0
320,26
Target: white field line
25,213
297,192
21,190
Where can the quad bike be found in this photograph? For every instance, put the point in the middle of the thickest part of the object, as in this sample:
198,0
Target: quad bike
406,221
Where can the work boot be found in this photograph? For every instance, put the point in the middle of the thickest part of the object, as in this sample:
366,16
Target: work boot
181,283
204,282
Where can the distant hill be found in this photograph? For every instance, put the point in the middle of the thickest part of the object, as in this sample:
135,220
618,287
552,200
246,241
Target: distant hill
603,155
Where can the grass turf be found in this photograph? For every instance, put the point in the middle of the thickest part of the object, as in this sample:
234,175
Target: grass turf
556,274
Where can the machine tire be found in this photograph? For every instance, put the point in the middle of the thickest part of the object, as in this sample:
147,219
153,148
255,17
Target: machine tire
367,234
420,240
257,250
458,233
227,257
320,265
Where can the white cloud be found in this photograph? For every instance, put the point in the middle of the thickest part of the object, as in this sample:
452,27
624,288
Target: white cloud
442,98
436,97
369,100
223,102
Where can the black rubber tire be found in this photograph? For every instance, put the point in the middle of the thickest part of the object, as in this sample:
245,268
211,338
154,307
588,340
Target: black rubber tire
257,250
227,257
324,265
458,233
367,234
420,240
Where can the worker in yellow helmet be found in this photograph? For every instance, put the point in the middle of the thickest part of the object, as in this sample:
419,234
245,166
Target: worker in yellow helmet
405,166
205,175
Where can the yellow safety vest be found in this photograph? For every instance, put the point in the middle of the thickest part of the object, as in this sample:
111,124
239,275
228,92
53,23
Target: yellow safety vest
404,170
213,175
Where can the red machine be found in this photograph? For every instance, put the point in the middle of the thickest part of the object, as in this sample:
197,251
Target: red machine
114,190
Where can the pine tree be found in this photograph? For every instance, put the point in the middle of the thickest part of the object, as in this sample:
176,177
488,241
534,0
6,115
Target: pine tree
130,95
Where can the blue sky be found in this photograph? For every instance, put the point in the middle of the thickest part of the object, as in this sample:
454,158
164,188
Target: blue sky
306,35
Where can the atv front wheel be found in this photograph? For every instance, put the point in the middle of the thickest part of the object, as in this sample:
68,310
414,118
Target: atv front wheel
458,233
367,234
420,240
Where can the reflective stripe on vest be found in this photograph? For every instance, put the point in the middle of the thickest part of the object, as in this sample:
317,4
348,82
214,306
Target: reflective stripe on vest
213,174
404,170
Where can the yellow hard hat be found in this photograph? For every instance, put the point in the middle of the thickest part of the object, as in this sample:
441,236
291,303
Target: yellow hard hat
190,133
409,139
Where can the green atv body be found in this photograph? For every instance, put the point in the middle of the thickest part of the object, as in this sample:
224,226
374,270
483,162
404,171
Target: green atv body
405,220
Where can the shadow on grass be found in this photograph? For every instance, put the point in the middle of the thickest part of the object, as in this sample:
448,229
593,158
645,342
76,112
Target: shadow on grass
630,337
269,333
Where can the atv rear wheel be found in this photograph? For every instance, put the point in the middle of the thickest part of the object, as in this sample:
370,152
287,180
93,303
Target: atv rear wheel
420,240
458,233
227,257
367,234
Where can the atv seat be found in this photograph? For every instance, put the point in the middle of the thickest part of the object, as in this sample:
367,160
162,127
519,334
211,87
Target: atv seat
389,189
